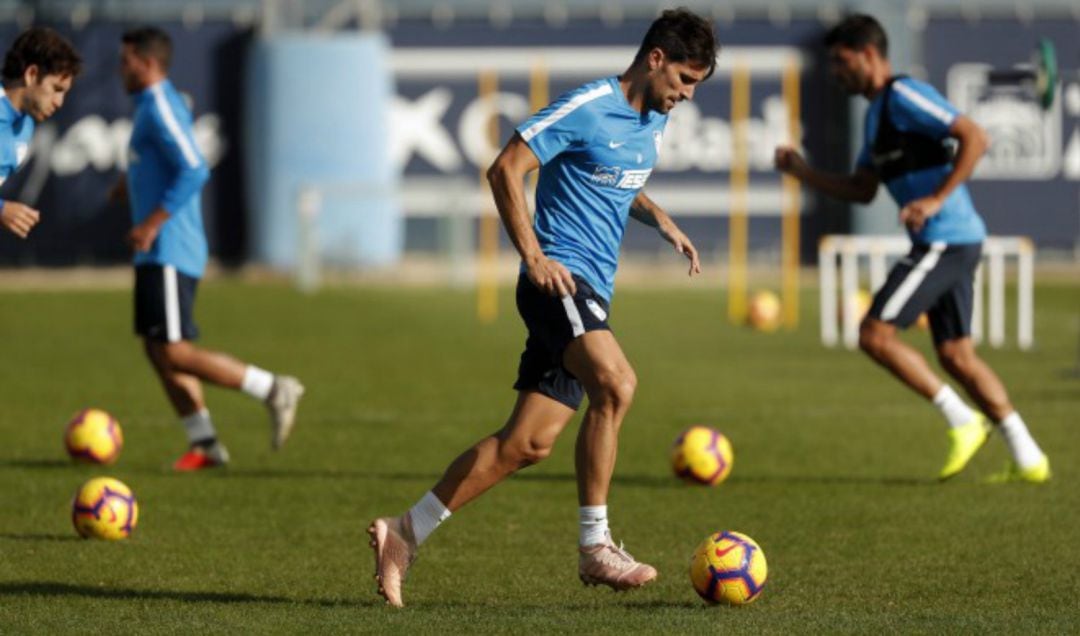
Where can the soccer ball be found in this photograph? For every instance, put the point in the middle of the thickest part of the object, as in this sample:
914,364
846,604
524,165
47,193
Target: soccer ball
104,508
93,436
728,567
702,455
764,312
859,304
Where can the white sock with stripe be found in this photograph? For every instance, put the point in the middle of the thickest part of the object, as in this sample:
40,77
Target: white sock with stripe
426,515
257,382
1021,444
592,525
199,428
952,407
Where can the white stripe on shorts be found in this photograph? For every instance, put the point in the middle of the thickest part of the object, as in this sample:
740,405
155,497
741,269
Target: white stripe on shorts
172,304
906,289
573,315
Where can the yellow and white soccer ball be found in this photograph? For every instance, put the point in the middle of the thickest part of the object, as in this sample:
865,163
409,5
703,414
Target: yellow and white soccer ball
702,455
728,567
104,508
93,436
764,311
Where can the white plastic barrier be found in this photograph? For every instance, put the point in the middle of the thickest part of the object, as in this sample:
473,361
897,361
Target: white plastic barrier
840,322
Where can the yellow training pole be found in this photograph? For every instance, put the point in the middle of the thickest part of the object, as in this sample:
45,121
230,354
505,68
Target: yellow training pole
539,85
487,292
789,266
738,224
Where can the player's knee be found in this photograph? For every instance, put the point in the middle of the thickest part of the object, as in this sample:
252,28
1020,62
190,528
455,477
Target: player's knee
873,339
616,390
524,452
956,358
176,354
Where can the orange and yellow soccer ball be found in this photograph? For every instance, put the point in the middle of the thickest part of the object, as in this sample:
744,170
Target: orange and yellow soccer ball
93,436
728,567
764,311
104,508
702,455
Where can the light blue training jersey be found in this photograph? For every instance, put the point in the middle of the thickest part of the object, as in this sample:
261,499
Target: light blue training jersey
595,152
166,170
917,107
16,129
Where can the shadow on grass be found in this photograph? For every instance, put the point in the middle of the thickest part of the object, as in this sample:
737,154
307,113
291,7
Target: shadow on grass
57,590
46,464
39,537
666,482
316,473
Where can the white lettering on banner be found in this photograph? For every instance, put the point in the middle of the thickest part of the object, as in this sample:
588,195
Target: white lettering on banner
634,179
415,126
1025,140
93,143
692,141
472,130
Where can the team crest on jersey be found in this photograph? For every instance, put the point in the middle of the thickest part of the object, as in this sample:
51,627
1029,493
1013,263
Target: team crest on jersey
658,140
21,150
596,309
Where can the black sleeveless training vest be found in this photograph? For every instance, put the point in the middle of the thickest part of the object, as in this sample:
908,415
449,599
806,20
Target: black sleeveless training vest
895,153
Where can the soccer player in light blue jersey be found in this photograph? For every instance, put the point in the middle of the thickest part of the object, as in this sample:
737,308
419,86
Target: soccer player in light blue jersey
37,75
166,173
905,127
595,148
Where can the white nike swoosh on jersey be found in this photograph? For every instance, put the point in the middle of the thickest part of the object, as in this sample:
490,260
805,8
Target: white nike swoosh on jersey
613,145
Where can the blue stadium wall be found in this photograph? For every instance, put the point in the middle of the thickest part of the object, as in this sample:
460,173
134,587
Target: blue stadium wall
1032,186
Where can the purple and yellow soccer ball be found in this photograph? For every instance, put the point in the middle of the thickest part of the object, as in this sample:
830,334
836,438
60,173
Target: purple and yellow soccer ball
104,508
729,568
702,455
93,437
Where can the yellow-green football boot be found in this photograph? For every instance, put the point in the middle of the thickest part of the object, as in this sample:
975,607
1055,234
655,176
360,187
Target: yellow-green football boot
965,441
1037,474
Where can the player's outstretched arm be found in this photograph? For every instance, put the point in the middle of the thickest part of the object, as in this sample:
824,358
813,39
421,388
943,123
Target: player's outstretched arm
860,187
18,218
645,210
507,178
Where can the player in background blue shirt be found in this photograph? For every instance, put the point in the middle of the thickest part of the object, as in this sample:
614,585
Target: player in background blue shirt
166,173
37,75
906,123
595,148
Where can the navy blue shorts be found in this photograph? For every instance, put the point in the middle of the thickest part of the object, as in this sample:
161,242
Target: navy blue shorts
553,323
937,279
164,303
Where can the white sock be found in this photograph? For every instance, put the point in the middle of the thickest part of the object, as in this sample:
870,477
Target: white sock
426,515
1020,442
199,427
952,407
592,525
257,382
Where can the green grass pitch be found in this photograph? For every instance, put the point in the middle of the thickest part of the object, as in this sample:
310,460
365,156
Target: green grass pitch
833,476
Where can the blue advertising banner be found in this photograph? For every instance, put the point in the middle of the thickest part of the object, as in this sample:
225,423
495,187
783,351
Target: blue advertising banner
1029,181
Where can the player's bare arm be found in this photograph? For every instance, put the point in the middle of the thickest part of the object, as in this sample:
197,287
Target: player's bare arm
141,237
860,187
643,209
507,178
18,218
972,143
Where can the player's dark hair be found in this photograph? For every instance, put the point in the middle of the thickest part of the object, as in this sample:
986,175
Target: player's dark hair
149,41
858,31
51,52
683,36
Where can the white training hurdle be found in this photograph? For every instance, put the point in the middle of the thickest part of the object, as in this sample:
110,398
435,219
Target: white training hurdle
841,324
